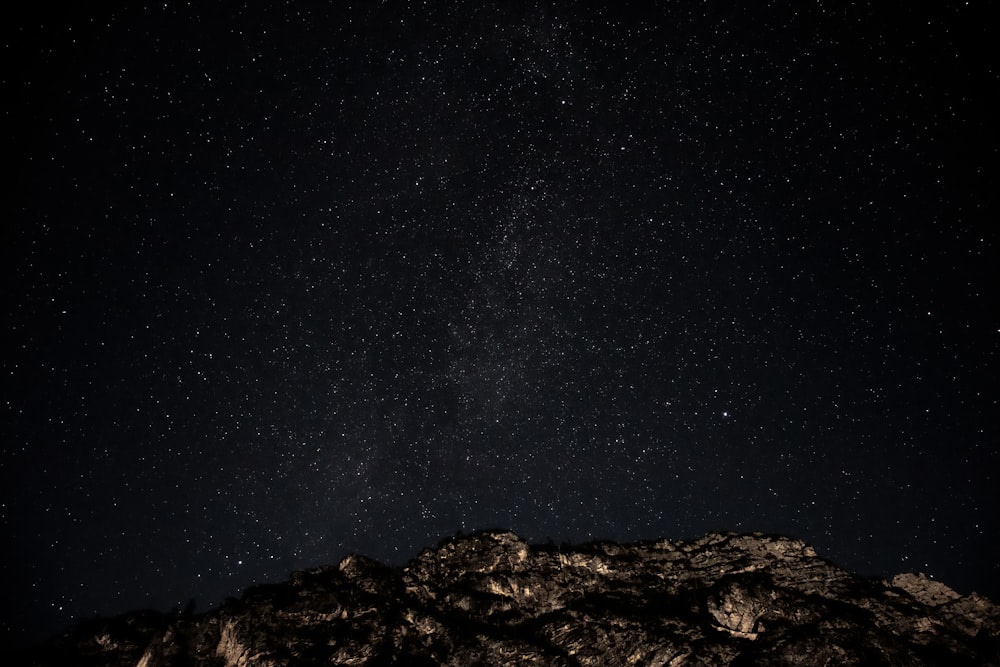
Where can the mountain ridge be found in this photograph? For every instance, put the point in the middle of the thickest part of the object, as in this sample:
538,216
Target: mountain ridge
491,598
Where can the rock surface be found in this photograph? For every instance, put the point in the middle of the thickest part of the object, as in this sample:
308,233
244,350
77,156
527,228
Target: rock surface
493,599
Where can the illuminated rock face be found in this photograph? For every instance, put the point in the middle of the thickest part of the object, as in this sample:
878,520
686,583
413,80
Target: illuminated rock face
492,599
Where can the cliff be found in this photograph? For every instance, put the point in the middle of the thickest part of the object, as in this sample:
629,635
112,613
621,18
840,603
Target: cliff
493,599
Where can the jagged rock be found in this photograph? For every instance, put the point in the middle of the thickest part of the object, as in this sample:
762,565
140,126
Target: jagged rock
492,599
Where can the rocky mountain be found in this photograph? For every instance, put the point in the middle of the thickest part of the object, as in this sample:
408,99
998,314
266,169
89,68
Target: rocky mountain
493,599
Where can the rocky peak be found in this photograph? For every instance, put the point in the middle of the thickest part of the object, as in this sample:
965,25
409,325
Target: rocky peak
493,599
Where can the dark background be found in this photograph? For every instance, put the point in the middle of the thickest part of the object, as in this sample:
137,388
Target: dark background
284,281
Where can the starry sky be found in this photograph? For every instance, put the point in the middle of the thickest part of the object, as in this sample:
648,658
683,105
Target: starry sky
284,281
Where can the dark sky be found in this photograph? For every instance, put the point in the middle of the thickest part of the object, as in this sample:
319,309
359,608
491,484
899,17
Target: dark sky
287,280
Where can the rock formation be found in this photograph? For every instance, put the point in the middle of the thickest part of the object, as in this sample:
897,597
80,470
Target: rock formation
493,599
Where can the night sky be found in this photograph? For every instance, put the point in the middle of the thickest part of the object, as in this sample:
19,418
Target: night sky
283,281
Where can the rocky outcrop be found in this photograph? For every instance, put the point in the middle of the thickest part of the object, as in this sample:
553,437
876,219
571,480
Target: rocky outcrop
493,599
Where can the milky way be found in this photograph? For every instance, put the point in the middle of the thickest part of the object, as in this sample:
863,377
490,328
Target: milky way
284,283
